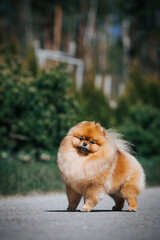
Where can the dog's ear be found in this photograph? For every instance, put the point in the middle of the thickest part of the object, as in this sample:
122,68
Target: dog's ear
102,129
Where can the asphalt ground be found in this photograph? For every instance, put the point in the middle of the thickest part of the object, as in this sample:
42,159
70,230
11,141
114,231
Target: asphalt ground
43,217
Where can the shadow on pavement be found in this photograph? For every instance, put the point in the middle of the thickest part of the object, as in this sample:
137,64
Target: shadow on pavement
103,210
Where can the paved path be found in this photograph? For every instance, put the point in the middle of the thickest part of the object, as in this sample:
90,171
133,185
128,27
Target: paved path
44,218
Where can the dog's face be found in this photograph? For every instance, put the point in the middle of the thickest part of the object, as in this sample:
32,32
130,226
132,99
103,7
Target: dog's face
88,137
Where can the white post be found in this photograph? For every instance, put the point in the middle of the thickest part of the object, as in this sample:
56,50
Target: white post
62,57
107,85
98,81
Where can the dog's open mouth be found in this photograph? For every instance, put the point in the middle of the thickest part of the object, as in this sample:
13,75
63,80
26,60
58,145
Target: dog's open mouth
84,150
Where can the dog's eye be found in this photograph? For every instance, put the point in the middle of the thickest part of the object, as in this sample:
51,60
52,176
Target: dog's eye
81,138
92,142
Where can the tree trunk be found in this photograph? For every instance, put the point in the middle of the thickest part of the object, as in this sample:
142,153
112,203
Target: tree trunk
57,31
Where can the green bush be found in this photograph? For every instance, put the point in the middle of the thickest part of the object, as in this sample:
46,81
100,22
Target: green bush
38,110
142,127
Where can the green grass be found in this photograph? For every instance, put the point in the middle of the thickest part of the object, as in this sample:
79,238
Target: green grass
17,177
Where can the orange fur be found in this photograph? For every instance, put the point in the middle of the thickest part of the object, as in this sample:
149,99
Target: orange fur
94,162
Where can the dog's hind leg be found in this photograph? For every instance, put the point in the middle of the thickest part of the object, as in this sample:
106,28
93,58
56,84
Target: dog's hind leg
130,192
119,202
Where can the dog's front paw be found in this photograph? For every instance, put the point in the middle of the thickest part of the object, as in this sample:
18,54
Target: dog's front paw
132,209
86,209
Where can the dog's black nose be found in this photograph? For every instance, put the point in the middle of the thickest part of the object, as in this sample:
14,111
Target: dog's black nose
84,144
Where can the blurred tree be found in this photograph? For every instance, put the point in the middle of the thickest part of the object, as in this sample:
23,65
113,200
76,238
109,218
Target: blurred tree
144,17
94,106
38,18
8,43
139,90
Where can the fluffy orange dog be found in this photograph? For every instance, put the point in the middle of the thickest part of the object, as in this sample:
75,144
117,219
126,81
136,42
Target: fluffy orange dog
94,162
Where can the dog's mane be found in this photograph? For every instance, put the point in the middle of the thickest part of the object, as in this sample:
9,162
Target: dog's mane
117,138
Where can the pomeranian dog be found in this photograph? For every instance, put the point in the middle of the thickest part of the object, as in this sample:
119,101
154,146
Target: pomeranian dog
93,162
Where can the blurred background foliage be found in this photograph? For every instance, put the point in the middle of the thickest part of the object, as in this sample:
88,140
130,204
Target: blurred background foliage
39,105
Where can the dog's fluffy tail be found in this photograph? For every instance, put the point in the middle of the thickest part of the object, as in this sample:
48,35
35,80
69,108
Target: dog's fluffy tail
117,138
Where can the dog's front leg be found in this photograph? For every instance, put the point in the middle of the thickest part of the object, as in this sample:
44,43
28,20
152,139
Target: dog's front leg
91,198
